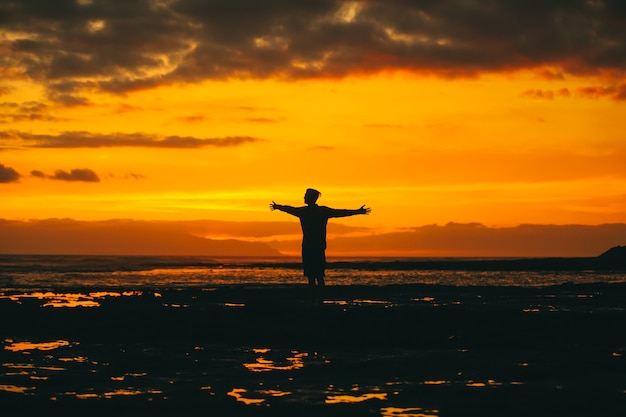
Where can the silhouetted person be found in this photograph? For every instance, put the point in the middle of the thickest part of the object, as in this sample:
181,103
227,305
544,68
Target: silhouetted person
313,220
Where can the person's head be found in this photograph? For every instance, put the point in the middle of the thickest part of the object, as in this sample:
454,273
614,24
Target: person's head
311,196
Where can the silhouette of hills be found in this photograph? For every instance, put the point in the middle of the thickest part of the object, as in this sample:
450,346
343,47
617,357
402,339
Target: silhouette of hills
118,237
612,259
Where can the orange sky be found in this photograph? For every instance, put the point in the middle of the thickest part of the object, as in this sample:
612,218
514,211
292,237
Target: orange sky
438,122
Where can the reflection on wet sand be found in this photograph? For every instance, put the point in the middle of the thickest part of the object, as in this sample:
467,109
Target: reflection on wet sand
407,412
25,346
123,392
490,383
337,399
247,349
242,395
360,302
70,300
16,389
238,394
265,365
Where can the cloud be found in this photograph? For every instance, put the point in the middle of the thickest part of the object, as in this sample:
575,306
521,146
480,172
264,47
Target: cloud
615,92
83,175
77,47
192,119
134,176
38,174
97,140
8,174
28,111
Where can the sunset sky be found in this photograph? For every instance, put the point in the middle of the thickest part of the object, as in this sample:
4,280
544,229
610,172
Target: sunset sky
501,113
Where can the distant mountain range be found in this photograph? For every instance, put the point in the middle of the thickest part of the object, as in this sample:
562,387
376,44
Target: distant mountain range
548,243
612,259
117,237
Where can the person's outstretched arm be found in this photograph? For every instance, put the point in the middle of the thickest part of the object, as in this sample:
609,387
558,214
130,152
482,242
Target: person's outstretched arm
348,212
287,209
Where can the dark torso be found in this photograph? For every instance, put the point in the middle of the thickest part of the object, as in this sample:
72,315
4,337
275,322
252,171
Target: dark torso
313,220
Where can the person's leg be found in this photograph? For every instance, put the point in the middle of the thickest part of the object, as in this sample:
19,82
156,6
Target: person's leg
314,262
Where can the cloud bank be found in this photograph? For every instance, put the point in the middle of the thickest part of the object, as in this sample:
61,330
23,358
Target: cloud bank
8,174
83,139
77,46
80,174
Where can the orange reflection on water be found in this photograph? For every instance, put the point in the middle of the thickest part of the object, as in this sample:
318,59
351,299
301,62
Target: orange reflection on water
79,359
265,365
84,396
237,393
16,389
23,346
489,383
129,392
110,394
274,393
71,300
234,305
407,412
19,365
436,382
337,399
373,302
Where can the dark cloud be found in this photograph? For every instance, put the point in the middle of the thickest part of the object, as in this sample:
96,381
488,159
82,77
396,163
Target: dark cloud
134,176
28,111
73,47
95,140
8,174
192,119
614,92
83,175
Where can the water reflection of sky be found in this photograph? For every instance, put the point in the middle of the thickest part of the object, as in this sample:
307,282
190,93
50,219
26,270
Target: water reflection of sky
260,376
60,299
266,362
198,276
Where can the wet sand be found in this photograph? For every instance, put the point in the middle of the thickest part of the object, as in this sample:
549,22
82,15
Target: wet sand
407,350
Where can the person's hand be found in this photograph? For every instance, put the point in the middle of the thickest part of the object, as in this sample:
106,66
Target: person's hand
365,210
273,206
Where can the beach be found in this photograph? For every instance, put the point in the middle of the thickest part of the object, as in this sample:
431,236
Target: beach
395,350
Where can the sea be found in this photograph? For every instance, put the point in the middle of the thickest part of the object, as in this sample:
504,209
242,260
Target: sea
41,271
242,336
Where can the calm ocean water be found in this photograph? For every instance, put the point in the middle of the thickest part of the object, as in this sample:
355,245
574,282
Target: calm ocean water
40,271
